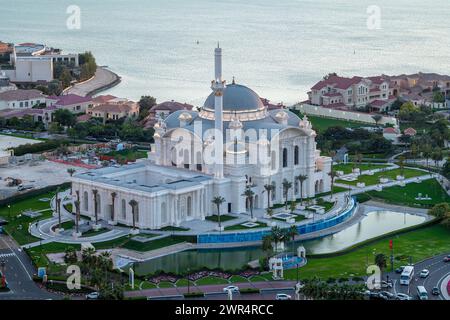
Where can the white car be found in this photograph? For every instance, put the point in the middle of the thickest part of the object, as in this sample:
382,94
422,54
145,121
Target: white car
231,288
402,296
93,296
282,296
424,273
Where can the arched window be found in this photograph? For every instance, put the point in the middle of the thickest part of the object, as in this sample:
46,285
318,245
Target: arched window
296,155
124,209
85,201
285,157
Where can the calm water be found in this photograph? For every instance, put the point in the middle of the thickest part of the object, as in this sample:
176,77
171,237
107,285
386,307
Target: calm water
279,48
374,224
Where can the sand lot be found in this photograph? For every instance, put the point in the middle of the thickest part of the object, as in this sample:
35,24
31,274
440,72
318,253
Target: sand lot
43,174
12,142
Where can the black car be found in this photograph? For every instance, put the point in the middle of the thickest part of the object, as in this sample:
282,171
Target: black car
399,269
435,291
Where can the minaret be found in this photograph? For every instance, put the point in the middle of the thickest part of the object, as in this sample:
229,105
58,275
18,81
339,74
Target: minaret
218,85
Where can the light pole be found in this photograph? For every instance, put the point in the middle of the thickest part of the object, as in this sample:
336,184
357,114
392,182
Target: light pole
189,287
9,212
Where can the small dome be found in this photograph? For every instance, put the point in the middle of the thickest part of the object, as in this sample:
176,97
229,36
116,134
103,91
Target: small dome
185,116
237,98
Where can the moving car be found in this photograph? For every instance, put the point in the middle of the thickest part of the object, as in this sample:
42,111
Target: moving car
386,284
231,288
283,296
435,291
422,293
424,273
93,296
447,258
387,295
402,296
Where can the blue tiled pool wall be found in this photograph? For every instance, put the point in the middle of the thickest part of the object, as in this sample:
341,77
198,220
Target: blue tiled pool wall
258,235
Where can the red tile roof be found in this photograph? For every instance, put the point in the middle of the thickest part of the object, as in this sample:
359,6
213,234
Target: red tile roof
103,98
21,95
390,130
410,132
69,99
337,82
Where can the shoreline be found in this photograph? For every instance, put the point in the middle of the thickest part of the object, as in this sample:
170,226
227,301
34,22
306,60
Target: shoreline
103,79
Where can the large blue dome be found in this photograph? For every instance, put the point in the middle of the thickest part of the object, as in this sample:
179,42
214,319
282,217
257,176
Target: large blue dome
237,97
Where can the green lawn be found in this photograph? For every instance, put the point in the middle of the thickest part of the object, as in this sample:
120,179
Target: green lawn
390,174
173,228
67,225
223,218
238,279
183,283
92,232
165,284
321,124
210,280
420,244
30,203
129,154
297,218
347,168
406,195
241,227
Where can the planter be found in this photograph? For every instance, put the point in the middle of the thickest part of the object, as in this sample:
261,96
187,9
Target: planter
134,231
384,180
400,178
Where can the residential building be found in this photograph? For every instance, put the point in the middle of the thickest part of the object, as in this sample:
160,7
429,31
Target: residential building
162,110
21,99
72,102
115,110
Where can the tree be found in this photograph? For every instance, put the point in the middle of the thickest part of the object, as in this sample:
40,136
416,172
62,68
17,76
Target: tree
269,189
113,205
446,169
70,255
377,118
438,97
437,156
287,185
440,211
426,153
133,204
292,232
267,244
401,164
65,77
71,172
77,214
301,178
64,118
218,202
249,196
380,261
95,193
145,104
332,175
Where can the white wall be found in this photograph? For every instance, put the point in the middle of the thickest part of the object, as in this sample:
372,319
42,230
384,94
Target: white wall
342,115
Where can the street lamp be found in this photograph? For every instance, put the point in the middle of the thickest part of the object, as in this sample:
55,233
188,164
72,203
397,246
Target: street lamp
189,287
9,212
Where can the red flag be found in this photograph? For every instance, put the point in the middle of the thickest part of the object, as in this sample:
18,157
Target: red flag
391,244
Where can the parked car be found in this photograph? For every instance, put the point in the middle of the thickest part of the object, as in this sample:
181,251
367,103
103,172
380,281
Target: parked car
435,291
93,296
282,296
231,288
24,187
402,296
399,269
386,284
388,295
424,273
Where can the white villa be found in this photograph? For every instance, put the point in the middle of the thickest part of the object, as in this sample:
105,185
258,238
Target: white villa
250,147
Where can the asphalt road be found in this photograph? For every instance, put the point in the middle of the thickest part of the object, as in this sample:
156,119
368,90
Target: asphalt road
438,271
19,272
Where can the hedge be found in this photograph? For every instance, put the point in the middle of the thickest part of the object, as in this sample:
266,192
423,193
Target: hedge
39,147
194,295
33,193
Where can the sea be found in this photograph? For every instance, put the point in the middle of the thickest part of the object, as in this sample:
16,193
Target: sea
279,48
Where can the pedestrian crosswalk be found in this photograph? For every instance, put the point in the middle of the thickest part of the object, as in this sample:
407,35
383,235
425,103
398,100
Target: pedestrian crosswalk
6,255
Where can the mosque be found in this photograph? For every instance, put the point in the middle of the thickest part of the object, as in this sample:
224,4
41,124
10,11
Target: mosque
233,142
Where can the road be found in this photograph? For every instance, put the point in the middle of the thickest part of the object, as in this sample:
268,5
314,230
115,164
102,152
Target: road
439,270
19,274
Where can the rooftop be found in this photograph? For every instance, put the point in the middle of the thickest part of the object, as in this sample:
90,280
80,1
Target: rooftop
69,99
21,95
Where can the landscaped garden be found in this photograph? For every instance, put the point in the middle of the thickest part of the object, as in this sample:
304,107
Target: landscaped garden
407,195
348,167
223,218
244,227
389,174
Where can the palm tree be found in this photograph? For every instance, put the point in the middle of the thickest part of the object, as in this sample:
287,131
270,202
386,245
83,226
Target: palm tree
269,188
113,205
426,152
71,172
287,185
218,202
133,204
249,196
292,232
401,164
267,244
301,178
77,211
95,193
380,261
58,210
377,118
437,156
332,175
